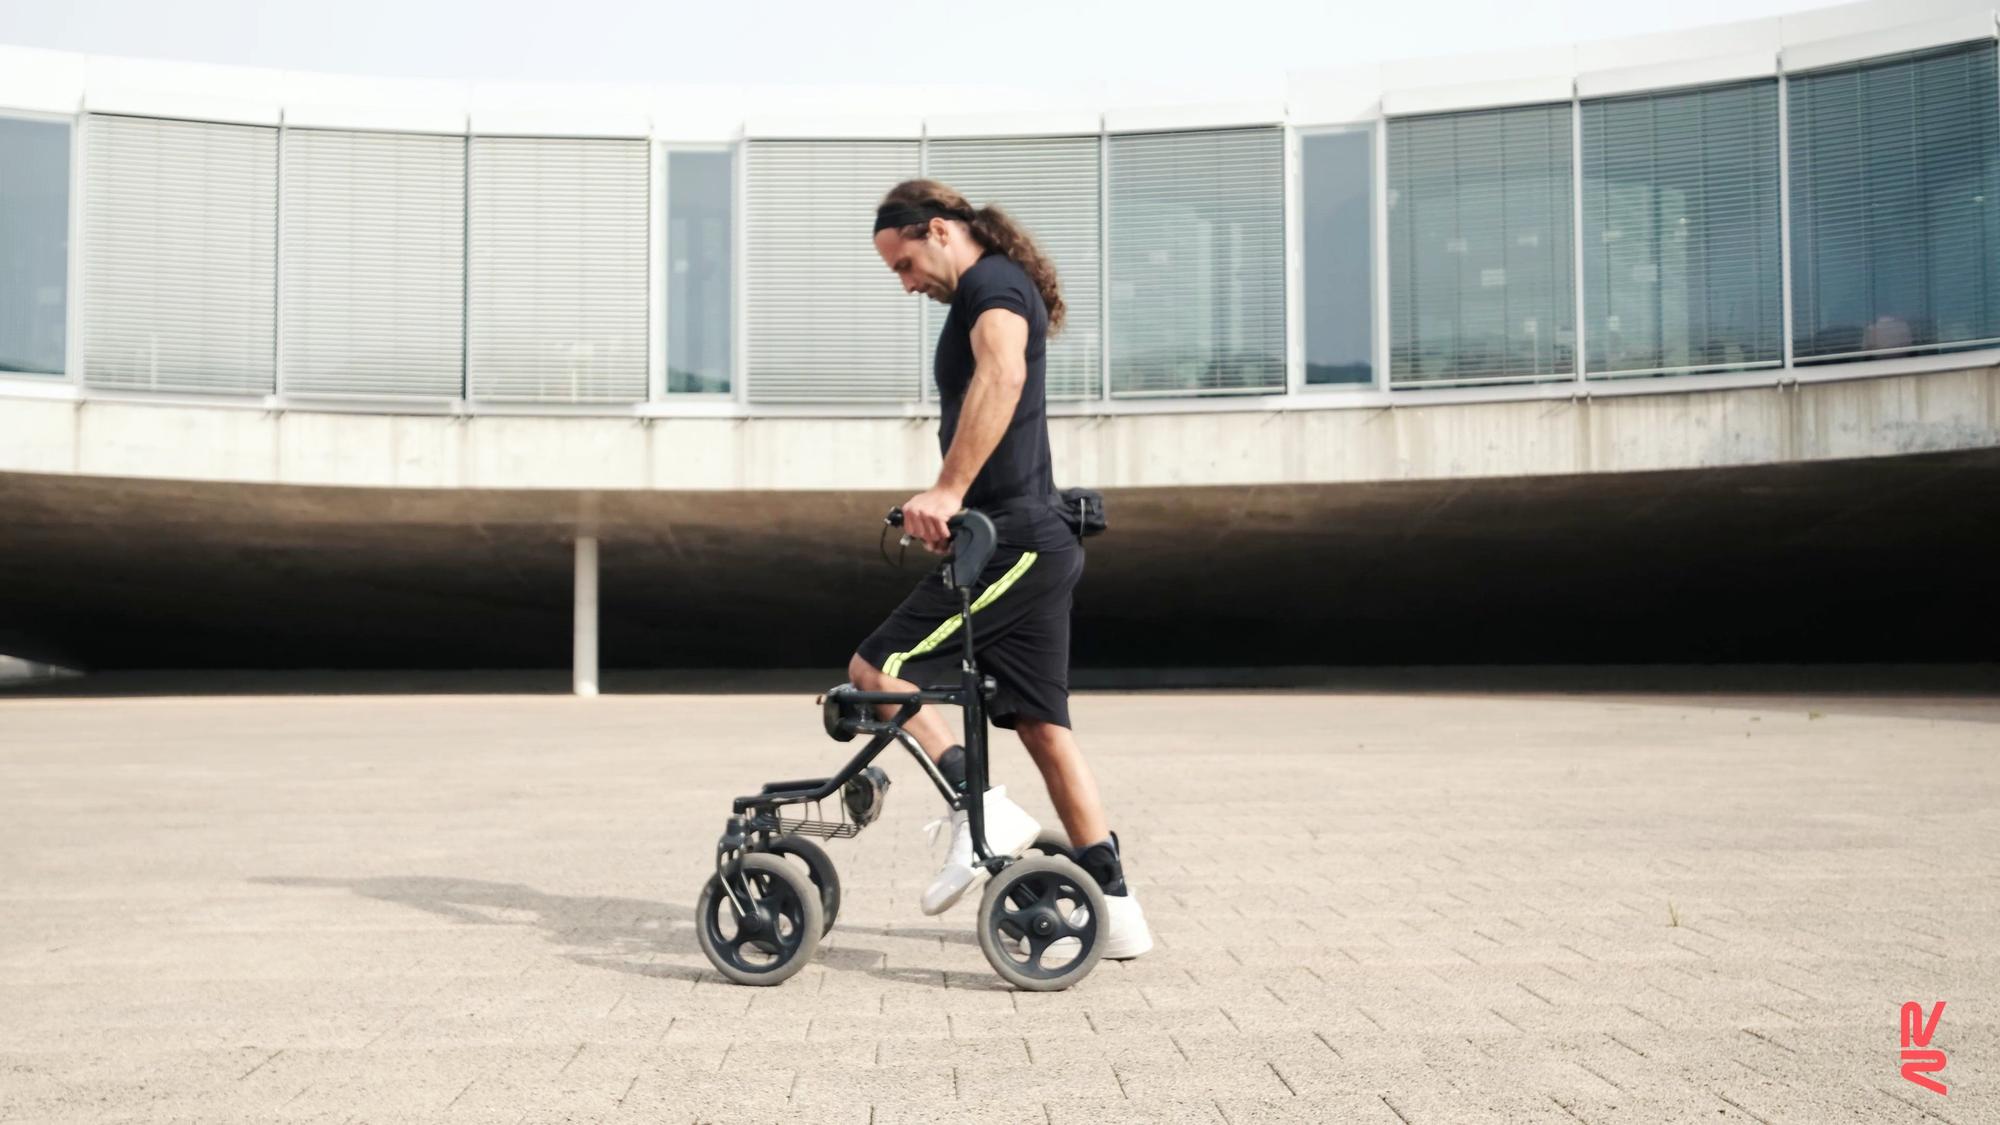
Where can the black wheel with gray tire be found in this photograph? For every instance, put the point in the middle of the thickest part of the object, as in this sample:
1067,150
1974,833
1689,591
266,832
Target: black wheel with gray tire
819,868
1042,924
778,932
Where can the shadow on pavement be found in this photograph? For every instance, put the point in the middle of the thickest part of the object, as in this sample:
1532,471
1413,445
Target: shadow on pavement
625,935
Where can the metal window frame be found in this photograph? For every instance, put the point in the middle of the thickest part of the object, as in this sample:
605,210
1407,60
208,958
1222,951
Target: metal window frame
658,254
1293,261
74,326
1296,394
739,253
278,392
924,378
1785,213
1579,348
1105,265
1380,257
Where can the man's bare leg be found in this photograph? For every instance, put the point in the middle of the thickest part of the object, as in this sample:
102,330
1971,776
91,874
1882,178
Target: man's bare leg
1009,827
927,726
1074,793
1072,789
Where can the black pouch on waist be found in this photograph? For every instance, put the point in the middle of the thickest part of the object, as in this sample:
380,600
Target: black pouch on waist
1083,510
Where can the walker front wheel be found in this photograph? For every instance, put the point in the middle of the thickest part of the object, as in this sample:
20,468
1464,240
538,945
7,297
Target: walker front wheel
771,936
1042,924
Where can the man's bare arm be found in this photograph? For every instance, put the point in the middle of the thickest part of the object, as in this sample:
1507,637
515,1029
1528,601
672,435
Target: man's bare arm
1000,371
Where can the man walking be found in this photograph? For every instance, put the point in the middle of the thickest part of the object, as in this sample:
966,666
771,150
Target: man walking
993,431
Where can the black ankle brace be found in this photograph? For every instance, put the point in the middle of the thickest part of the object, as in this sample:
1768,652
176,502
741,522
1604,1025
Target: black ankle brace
952,766
1100,862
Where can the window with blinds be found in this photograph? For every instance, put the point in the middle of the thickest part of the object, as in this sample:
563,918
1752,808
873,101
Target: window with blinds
557,269
34,245
1197,269
1895,182
1050,186
1682,267
180,262
372,253
1480,250
827,322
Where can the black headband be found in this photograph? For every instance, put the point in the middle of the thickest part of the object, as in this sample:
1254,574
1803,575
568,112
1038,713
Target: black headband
900,215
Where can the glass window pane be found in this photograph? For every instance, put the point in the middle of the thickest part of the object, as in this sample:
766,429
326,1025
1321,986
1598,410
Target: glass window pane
700,271
1896,204
34,245
1197,270
1480,250
1338,210
1681,254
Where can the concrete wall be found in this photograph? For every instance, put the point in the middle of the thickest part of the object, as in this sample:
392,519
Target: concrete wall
1295,443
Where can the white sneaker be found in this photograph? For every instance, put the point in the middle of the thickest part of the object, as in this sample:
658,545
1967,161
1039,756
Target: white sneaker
1009,831
1128,935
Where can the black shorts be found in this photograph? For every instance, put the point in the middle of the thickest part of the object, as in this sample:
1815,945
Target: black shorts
1020,633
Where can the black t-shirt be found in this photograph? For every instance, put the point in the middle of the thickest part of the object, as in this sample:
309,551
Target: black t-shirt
1019,475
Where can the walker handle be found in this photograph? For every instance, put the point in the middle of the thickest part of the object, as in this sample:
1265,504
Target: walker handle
972,542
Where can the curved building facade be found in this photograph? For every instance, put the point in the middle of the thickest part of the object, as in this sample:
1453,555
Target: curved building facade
1672,348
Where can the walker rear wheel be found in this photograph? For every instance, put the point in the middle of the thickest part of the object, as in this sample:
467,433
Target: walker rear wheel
1053,841
819,868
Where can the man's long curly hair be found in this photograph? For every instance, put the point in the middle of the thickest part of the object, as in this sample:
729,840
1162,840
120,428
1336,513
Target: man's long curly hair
992,228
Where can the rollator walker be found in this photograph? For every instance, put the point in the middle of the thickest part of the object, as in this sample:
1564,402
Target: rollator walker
775,892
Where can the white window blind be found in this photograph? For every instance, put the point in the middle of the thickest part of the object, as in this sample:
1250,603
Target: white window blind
372,247
557,269
1681,254
1480,249
180,255
826,320
1197,270
1895,184
1050,187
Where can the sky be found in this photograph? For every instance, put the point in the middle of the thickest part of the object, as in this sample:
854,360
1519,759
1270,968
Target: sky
1056,44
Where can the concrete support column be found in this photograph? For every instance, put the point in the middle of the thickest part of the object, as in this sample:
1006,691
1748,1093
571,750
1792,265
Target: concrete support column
584,660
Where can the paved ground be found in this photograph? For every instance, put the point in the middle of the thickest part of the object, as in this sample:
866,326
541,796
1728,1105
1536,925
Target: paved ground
1416,908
